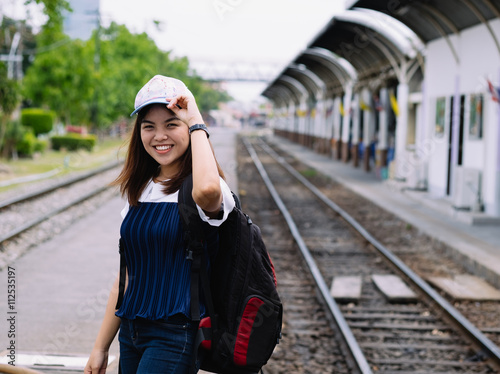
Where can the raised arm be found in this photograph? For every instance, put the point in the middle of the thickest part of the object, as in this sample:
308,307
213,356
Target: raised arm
206,182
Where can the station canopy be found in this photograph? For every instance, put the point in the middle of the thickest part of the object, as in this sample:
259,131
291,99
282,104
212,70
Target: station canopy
355,46
374,38
373,42
433,19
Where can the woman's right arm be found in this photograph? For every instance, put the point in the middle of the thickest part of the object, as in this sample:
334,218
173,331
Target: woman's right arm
98,360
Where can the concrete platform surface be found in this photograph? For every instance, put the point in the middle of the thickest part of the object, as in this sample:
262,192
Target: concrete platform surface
63,287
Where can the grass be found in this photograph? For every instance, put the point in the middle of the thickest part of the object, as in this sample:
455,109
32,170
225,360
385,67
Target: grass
309,173
105,151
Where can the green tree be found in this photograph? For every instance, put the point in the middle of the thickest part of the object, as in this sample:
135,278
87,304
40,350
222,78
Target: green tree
128,61
52,30
61,79
66,80
9,99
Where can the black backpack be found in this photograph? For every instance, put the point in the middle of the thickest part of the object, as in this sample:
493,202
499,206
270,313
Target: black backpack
244,308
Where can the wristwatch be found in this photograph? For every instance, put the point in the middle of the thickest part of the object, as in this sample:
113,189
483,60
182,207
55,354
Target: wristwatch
199,126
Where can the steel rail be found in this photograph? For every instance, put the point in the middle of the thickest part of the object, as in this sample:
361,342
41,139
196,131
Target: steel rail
37,221
357,355
43,191
488,347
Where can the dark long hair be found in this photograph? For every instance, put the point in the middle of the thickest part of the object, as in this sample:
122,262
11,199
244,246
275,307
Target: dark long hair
140,167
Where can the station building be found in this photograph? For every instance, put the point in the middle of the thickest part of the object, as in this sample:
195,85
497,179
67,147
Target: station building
407,89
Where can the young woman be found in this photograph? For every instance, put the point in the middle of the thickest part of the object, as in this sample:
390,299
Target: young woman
169,142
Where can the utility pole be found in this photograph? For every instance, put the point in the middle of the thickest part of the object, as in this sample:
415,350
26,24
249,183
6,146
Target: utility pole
12,58
97,66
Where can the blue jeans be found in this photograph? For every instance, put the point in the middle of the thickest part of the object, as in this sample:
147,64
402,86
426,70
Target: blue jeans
156,347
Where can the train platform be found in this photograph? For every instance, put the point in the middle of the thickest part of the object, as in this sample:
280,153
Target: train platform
475,245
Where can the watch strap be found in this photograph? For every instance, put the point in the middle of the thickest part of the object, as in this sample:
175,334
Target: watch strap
199,126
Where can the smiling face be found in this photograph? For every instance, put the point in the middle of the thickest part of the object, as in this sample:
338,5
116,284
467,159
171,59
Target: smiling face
165,138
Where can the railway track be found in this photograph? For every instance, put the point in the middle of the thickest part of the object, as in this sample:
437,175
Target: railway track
427,257
308,344
426,335
23,216
24,197
382,337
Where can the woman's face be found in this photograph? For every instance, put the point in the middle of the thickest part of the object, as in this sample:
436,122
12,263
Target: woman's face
165,138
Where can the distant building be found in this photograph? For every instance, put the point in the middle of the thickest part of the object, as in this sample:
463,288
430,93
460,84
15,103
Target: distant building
80,23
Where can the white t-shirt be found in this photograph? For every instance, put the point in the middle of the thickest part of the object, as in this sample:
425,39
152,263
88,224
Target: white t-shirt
153,194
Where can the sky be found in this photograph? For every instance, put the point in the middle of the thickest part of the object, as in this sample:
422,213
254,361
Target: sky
268,33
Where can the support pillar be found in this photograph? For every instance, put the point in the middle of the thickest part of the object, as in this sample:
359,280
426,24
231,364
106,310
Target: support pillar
383,129
455,134
302,122
336,128
401,129
368,123
356,112
290,119
346,124
294,124
327,135
368,119
496,203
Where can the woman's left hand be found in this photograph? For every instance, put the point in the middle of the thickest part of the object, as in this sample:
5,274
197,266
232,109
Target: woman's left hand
185,108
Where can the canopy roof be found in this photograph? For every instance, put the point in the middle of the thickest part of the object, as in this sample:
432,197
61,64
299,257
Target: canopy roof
432,19
356,45
371,40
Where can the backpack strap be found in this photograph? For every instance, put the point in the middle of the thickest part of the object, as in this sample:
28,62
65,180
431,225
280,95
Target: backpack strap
123,274
194,250
193,232
236,200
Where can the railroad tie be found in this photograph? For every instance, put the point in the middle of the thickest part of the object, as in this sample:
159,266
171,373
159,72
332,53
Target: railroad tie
346,289
466,287
393,288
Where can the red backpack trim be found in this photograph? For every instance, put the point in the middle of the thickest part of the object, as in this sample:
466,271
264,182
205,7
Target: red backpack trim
245,329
